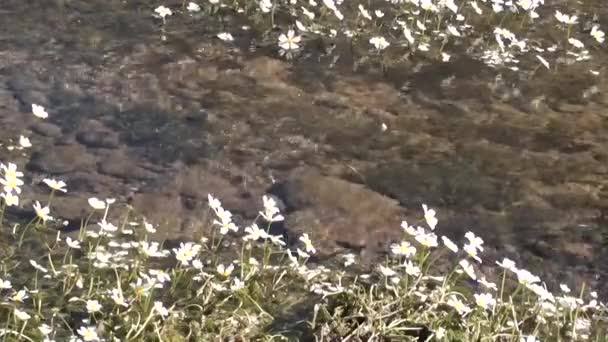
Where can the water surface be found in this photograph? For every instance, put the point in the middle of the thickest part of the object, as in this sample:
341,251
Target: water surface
161,123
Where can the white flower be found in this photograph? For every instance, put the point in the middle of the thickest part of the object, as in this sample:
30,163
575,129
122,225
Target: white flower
45,329
161,309
302,254
149,227
118,297
576,43
152,249
349,259
225,36
379,42
457,304
485,300
39,111
42,213
308,243
487,284
277,240
55,185
96,203
404,248
22,315
271,211
542,292
468,268
474,241
364,12
11,180
564,288
38,266
408,34
186,252
543,61
289,41
254,233
88,334
471,250
565,19
24,142
569,302
214,203
529,338
430,217
265,5
224,271
193,7
292,259
330,4
160,275
423,47
411,269
422,28
10,199
93,306
449,244
450,4
107,226
440,333
237,284
309,14
411,230
163,11
428,5
379,13
20,296
445,57
507,264
526,278
597,34
427,240
225,222
525,4
386,271
140,288
476,7
5,284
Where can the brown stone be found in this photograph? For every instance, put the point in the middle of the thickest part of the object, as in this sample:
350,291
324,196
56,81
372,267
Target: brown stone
336,212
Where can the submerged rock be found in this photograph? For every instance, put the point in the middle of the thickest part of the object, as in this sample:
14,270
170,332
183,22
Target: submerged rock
94,134
47,129
335,212
62,159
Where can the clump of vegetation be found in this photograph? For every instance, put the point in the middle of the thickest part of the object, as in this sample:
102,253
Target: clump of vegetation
500,33
110,281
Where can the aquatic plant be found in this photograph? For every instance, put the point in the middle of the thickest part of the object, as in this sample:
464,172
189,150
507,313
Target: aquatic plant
500,33
110,281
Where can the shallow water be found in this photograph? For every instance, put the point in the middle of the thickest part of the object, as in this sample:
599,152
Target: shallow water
159,124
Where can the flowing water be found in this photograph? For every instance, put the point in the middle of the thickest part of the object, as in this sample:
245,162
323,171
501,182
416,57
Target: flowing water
159,123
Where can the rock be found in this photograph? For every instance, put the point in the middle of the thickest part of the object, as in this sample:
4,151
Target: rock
336,212
94,134
119,164
168,213
61,159
46,129
178,206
